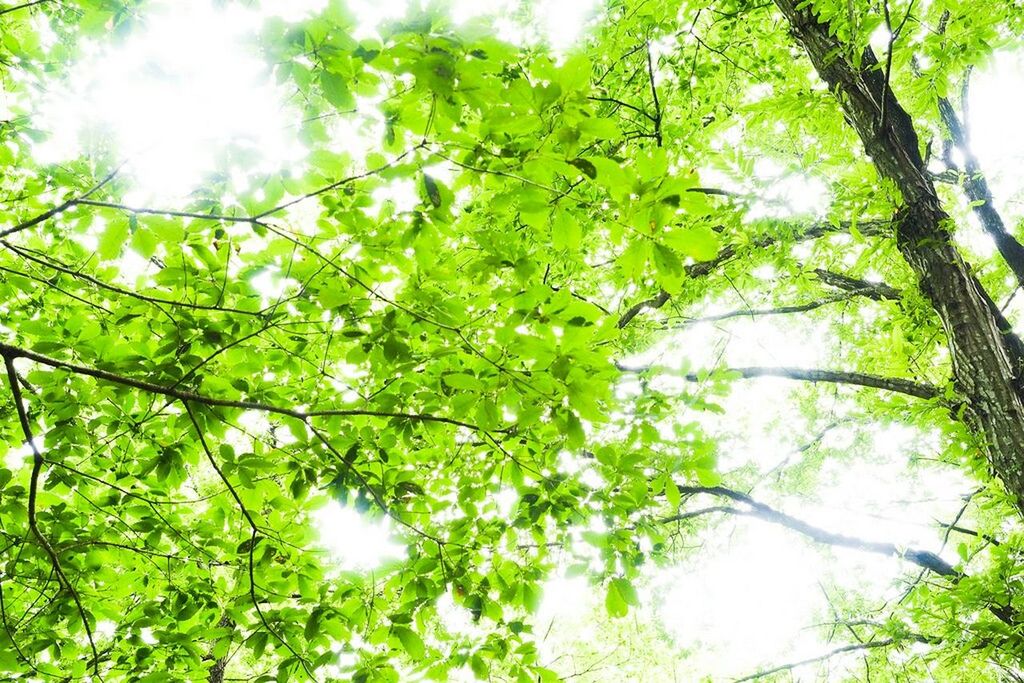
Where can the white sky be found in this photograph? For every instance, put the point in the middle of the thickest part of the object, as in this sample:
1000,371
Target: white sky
176,113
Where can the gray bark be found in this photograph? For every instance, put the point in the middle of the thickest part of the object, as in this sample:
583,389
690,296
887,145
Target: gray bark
984,365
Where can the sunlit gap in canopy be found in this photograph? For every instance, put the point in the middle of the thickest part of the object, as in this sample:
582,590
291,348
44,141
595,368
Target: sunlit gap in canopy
183,95
186,93
995,98
757,588
355,541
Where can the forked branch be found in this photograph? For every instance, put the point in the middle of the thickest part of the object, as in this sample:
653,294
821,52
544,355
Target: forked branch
33,522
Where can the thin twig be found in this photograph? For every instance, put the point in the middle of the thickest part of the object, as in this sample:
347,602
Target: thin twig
252,540
37,466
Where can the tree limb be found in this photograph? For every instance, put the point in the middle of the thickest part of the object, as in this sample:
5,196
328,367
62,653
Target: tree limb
60,208
977,190
925,559
894,384
730,251
922,558
37,466
11,352
755,312
854,647
26,5
879,291
252,541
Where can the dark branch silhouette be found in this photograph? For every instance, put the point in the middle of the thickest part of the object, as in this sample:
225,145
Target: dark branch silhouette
730,251
11,352
33,524
922,558
879,291
853,647
894,384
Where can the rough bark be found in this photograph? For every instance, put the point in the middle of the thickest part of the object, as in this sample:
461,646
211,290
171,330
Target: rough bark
879,291
983,363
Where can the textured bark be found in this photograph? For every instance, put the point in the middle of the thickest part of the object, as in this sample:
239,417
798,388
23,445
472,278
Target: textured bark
879,291
984,365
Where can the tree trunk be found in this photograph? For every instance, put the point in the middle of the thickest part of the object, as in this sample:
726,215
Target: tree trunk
984,364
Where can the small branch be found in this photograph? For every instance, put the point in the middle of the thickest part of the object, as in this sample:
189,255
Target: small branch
22,6
11,352
373,493
255,220
252,541
37,466
894,384
654,94
855,647
754,312
627,105
978,192
61,268
922,558
878,291
60,208
893,36
969,532
729,251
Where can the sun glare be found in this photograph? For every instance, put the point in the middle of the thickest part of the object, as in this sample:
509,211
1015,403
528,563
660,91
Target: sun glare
355,542
183,96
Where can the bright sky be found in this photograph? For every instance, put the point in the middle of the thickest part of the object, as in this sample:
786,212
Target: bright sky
179,114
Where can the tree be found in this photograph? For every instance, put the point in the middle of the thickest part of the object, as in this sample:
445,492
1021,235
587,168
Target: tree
294,339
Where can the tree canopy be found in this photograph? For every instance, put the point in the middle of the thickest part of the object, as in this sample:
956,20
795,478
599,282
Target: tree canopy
518,306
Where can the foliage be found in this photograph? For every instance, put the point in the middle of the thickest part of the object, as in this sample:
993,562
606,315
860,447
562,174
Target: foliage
300,341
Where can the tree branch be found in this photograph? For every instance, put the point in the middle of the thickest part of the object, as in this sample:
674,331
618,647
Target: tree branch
654,94
252,541
977,190
894,384
927,560
627,105
256,219
854,647
11,352
729,251
61,268
22,6
60,208
879,291
37,466
754,312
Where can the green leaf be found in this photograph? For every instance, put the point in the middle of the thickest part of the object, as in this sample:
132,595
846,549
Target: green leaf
566,231
410,641
113,239
669,267
699,242
672,492
433,192
614,601
336,90
602,129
